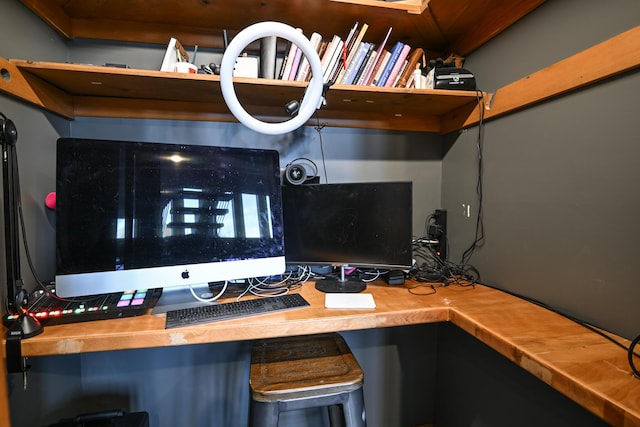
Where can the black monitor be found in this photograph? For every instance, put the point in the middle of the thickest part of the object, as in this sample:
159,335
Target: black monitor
366,225
139,215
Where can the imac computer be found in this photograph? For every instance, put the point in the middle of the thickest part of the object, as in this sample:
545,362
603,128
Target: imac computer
365,225
140,215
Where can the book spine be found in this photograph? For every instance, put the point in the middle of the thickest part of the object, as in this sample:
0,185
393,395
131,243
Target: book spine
284,60
395,81
365,62
351,37
348,45
368,68
355,63
337,53
377,72
393,75
367,75
395,53
290,58
295,65
315,40
351,52
328,55
381,49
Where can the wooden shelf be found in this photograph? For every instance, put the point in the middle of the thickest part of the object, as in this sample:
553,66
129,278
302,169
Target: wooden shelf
73,90
440,27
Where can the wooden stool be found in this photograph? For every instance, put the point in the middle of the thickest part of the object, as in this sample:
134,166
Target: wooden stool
305,372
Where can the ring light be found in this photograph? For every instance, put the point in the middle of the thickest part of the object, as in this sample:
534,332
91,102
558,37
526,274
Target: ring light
312,99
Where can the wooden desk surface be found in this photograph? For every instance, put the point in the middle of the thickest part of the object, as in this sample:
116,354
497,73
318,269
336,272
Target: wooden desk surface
575,361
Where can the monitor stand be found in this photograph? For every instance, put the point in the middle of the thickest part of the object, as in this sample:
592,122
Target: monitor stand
179,297
342,284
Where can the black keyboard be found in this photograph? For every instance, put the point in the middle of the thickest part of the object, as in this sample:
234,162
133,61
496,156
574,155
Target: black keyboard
229,310
50,310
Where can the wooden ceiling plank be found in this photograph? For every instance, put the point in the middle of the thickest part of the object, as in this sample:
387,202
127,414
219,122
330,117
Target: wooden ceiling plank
201,23
468,24
52,13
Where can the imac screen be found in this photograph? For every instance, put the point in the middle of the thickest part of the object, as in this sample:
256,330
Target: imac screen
134,215
351,224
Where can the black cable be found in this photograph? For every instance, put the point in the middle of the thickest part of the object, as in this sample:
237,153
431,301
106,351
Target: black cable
479,233
413,289
319,128
434,269
583,323
631,353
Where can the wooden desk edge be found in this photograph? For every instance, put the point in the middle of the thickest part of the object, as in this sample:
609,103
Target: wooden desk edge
489,315
603,384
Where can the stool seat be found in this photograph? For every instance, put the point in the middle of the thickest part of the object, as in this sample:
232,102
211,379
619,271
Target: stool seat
302,372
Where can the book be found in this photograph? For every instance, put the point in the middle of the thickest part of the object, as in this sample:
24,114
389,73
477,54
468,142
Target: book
295,64
305,66
354,64
379,67
413,60
173,54
397,77
381,49
293,49
397,65
333,63
322,48
284,60
354,47
346,48
350,39
365,62
367,68
395,53
328,56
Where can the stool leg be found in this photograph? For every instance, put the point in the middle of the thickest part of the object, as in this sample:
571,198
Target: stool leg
336,416
264,414
353,407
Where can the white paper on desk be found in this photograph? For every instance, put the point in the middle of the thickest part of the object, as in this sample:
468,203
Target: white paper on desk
334,300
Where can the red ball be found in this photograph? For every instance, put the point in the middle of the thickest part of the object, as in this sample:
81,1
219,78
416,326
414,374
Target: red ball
50,200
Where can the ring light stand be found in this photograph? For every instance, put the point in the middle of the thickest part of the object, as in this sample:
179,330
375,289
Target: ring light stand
313,96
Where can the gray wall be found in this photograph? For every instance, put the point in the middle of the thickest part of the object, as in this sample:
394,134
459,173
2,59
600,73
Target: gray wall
23,33
561,194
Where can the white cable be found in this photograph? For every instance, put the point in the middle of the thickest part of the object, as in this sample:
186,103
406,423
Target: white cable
212,299
312,99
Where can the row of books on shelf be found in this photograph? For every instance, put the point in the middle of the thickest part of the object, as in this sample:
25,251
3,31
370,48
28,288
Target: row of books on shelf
355,61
